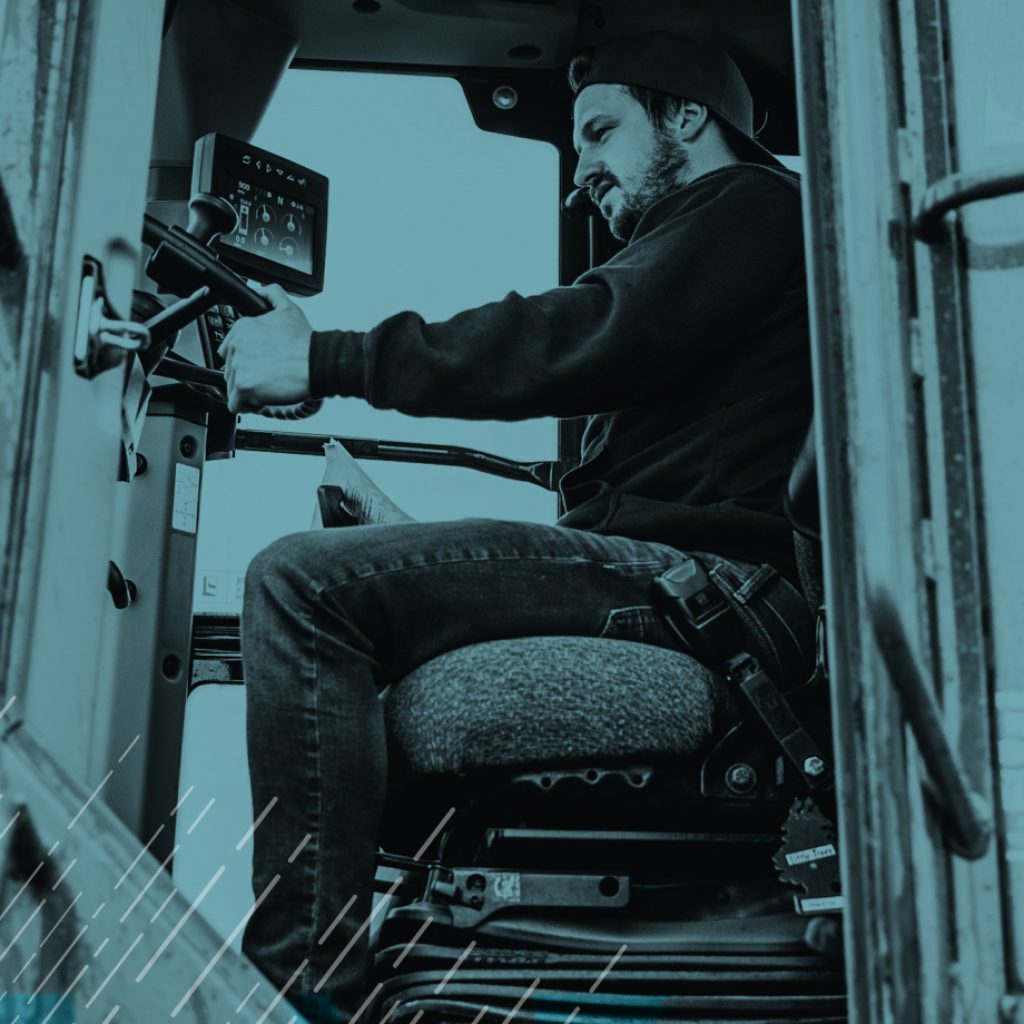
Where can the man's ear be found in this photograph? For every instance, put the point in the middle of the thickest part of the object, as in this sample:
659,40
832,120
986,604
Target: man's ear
688,120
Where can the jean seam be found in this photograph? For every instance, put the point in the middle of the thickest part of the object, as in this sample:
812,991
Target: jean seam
318,777
630,619
358,578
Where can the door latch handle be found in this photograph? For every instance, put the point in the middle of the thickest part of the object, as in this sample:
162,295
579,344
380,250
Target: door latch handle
101,336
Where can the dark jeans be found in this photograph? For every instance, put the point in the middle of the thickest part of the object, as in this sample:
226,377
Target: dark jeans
331,618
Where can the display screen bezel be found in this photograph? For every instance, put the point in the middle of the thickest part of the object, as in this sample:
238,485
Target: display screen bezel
219,160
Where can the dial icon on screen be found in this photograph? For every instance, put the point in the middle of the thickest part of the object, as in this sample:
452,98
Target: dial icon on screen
288,246
292,224
265,214
263,237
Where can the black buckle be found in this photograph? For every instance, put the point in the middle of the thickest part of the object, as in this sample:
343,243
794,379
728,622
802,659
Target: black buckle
698,612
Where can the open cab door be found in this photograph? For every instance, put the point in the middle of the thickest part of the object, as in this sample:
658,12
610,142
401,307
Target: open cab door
910,115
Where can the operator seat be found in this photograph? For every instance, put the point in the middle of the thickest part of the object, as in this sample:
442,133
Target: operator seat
593,820
553,700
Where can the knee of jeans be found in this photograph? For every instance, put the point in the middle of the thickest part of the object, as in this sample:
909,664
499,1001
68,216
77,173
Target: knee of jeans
280,563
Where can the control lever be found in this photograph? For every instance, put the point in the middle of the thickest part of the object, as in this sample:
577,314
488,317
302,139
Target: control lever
183,264
209,217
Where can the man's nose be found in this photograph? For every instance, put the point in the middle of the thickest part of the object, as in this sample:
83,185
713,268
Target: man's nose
587,170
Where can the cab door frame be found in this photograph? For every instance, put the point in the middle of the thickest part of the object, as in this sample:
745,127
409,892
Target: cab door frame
89,920
908,469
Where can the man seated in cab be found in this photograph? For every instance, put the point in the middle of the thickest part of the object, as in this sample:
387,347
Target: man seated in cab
689,351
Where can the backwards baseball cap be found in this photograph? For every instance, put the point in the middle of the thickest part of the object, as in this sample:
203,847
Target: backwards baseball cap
682,66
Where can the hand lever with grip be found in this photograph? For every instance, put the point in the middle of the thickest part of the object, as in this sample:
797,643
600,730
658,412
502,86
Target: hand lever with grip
182,261
209,217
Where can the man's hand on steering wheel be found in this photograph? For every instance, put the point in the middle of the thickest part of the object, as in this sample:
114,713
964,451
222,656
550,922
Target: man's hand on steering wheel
267,357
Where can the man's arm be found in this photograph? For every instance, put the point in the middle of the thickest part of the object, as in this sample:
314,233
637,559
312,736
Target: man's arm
709,263
626,333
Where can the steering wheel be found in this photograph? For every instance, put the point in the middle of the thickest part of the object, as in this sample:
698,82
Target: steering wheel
184,264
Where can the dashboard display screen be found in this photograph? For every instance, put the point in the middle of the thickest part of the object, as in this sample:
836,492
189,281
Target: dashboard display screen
281,235
271,225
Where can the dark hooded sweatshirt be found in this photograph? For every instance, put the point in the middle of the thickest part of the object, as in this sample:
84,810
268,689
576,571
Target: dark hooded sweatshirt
688,350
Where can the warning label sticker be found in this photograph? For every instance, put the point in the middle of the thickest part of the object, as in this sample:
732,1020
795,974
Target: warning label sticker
185,510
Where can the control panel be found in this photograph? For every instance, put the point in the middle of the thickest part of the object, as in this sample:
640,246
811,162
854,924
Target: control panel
281,234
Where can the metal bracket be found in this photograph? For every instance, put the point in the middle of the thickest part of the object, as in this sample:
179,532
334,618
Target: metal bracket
956,190
101,337
472,895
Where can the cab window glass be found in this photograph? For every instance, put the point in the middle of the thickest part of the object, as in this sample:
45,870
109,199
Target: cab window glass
427,213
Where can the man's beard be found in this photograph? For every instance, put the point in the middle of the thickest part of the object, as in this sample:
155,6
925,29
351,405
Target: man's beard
664,175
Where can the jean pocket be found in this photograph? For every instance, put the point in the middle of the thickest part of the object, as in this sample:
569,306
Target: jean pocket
630,623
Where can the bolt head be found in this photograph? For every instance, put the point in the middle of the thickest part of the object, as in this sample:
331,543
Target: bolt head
814,766
741,778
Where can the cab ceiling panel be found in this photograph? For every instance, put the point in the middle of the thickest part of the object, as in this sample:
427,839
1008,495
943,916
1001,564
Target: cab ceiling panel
440,33
540,35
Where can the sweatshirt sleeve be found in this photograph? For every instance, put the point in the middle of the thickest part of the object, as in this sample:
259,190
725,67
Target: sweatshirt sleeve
699,274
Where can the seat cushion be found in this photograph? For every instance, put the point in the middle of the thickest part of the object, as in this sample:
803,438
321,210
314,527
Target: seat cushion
549,701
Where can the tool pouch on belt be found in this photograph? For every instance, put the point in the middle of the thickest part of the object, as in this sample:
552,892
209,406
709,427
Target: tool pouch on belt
720,607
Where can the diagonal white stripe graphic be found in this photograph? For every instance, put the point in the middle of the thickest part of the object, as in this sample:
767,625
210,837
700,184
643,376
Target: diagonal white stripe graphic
10,824
67,992
160,909
64,874
604,974
31,917
522,999
110,1016
455,966
298,849
202,814
32,957
433,835
224,945
366,1002
280,995
103,984
248,996
382,903
334,924
256,824
152,878
138,857
412,942
387,1016
7,706
480,1016
92,796
572,1016
101,947
67,910
17,895
172,935
50,973
185,796
128,749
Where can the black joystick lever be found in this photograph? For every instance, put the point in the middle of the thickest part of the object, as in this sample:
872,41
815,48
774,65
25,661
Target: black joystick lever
210,216
183,262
